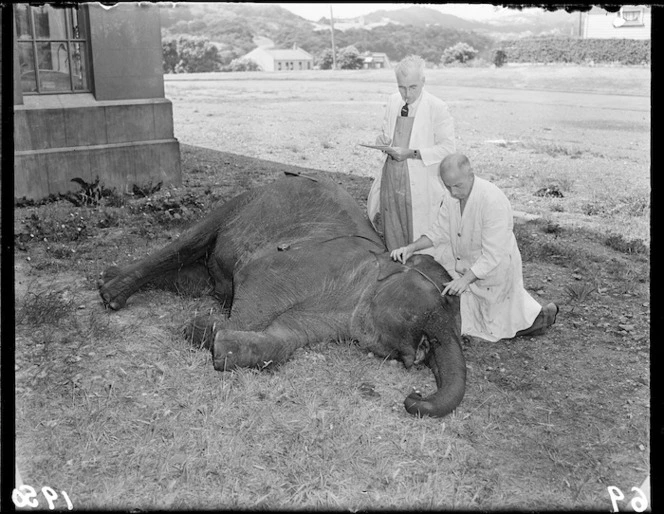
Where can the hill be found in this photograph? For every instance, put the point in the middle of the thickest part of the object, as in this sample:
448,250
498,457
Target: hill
507,23
237,28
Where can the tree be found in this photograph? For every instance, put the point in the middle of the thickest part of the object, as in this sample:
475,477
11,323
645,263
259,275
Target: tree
349,59
196,54
499,58
169,50
325,59
461,52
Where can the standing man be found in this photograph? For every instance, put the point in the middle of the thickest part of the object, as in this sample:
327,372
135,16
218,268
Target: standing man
420,131
479,251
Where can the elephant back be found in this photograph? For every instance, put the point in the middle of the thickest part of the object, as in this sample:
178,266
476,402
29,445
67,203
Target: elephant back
291,211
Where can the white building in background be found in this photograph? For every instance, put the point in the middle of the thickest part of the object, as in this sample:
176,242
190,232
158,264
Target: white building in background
272,59
375,60
630,22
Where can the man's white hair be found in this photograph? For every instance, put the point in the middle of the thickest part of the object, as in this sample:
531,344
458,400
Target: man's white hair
410,64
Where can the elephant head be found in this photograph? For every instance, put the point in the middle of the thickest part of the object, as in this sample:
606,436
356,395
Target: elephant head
409,316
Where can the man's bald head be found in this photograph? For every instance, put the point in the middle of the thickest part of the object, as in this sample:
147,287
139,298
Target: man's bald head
457,175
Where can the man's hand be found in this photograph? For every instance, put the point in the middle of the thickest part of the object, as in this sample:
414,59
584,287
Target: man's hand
460,285
402,254
399,153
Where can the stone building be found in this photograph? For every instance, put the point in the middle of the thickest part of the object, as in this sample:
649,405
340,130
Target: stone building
89,98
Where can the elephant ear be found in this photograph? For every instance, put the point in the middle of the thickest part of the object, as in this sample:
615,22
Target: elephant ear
388,267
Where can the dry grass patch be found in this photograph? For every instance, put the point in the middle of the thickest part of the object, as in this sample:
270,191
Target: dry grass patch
117,409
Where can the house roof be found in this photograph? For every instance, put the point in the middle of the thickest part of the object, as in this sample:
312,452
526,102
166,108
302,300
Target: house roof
293,54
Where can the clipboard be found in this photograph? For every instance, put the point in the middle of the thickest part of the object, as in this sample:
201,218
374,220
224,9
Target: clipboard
377,147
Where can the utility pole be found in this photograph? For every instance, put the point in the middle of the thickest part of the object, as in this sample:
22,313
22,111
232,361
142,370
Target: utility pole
334,51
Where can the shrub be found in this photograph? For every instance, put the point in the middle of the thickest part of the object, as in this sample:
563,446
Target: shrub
350,59
242,64
461,52
578,51
499,58
325,59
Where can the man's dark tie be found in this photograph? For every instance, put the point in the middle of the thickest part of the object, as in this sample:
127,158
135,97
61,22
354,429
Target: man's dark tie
404,110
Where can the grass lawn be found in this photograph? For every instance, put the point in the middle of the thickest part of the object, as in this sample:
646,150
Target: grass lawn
116,409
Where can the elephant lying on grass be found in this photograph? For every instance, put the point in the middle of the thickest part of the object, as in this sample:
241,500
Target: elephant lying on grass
298,262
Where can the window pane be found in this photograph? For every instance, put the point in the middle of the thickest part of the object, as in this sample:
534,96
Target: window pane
76,30
49,22
23,21
631,15
53,62
26,60
79,59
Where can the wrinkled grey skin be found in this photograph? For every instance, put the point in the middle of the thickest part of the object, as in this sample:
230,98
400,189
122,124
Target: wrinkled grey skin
332,278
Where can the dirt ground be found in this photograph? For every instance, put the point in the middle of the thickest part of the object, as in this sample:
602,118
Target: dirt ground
584,130
547,423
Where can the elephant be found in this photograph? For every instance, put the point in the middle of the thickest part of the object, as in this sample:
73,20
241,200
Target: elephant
297,262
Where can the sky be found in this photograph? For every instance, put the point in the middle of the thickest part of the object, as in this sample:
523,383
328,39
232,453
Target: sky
314,12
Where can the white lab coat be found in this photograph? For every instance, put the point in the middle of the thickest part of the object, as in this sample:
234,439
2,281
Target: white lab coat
433,136
482,240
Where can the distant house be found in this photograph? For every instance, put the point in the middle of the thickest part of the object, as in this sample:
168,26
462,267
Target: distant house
272,59
630,22
375,60
89,98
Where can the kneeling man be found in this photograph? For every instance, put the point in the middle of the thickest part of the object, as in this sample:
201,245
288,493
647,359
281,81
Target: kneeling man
474,232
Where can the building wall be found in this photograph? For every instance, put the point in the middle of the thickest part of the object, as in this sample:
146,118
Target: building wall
268,62
599,25
122,143
285,65
122,132
126,51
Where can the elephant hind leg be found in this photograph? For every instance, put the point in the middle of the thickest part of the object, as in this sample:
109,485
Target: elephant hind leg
112,279
192,280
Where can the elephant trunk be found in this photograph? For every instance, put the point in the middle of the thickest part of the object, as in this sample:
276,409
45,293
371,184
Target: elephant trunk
448,366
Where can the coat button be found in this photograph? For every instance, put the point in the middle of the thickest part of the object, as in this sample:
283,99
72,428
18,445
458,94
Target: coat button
459,234
458,258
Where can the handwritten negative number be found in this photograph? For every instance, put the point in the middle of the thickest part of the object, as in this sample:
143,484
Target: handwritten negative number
26,496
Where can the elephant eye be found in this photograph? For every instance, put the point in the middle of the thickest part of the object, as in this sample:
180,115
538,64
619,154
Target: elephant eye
422,350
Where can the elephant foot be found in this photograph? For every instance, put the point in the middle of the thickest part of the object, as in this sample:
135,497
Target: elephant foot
235,349
200,332
108,284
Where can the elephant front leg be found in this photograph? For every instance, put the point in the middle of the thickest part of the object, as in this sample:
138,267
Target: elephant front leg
248,349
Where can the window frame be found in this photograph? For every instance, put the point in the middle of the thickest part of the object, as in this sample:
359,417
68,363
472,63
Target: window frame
632,23
69,40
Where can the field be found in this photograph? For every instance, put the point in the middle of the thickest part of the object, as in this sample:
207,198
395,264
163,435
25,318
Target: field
116,409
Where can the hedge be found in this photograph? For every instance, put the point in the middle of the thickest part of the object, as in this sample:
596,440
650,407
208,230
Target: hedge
578,51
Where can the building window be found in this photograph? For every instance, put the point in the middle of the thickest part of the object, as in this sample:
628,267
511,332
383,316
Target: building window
632,16
52,49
